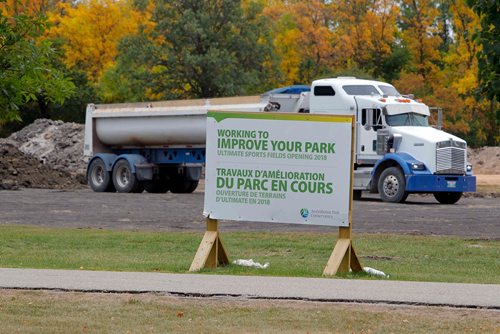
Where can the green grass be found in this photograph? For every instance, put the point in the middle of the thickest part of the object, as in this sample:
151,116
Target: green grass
56,312
414,258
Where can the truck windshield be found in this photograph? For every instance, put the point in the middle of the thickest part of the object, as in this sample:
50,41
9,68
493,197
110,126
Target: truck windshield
408,119
389,90
360,90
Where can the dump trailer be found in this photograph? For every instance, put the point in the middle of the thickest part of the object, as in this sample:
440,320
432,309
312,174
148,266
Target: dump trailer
160,146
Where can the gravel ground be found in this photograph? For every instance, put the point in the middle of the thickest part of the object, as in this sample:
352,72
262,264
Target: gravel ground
421,215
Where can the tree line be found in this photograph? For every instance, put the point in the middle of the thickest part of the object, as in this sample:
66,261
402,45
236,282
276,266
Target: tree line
58,55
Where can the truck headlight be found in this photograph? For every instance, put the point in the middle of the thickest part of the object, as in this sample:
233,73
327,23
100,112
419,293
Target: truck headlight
469,168
417,166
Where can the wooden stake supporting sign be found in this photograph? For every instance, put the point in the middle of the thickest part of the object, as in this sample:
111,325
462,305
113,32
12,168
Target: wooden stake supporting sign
211,253
343,256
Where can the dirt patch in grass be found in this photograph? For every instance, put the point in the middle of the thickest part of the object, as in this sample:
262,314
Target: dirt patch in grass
63,312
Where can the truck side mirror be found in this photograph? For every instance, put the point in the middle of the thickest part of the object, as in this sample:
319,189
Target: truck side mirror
369,119
439,111
373,119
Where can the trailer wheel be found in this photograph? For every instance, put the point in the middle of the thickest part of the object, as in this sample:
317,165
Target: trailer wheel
183,186
391,185
99,178
124,180
447,197
356,195
156,187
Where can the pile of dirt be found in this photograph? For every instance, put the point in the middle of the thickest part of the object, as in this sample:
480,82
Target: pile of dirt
485,160
18,170
45,154
56,143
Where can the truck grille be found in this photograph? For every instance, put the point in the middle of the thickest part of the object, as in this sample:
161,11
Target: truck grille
450,157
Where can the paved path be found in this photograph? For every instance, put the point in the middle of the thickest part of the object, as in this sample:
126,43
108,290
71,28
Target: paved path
318,289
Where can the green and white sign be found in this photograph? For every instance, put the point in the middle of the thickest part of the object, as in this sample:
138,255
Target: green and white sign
283,168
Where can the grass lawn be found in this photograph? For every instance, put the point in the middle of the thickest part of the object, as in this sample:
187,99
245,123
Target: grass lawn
414,258
58,312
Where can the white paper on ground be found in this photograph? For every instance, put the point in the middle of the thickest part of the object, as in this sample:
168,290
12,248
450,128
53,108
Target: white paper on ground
374,272
250,263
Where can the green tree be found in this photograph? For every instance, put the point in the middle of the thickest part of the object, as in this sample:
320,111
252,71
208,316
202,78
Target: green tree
194,48
26,72
488,38
130,80
489,62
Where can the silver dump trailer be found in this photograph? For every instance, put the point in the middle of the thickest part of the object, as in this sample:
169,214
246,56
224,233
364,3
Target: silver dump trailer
156,146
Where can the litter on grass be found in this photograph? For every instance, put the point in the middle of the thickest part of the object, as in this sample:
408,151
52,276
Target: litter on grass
374,272
250,263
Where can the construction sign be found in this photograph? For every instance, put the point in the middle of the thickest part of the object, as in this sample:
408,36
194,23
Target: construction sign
278,167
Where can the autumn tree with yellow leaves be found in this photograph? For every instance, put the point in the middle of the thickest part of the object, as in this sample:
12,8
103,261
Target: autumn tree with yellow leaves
32,7
303,41
90,32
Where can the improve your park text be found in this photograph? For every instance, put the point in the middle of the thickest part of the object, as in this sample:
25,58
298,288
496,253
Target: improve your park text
236,142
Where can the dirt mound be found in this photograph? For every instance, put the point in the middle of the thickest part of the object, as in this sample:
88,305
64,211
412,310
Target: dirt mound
485,160
56,143
45,154
18,170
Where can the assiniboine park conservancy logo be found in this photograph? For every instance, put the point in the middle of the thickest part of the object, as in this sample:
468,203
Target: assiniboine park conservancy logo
304,213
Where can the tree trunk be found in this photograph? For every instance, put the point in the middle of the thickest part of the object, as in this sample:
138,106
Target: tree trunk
44,107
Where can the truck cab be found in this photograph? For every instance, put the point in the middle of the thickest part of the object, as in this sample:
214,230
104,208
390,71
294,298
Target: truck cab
397,152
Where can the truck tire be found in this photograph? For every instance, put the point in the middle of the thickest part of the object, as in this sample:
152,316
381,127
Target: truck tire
447,197
156,187
183,186
124,180
356,195
99,178
391,185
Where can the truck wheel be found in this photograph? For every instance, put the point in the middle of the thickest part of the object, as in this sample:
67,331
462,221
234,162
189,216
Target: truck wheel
447,197
391,185
156,187
124,180
183,186
356,195
99,178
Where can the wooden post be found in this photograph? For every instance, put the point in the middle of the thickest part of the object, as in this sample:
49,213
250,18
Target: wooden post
211,252
343,256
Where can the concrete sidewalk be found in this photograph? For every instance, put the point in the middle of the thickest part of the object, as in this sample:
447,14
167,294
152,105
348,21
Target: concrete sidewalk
318,289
